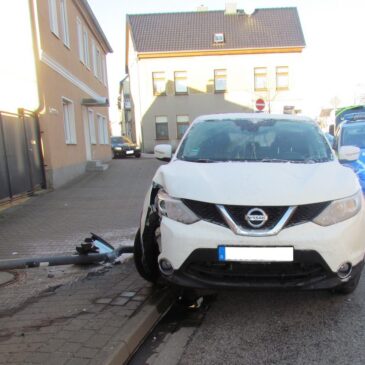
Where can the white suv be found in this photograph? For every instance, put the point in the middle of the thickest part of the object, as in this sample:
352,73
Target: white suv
253,200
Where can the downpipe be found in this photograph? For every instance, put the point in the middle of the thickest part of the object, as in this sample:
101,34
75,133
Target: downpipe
93,250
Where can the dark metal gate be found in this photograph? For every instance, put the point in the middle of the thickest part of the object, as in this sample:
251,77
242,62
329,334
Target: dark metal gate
21,159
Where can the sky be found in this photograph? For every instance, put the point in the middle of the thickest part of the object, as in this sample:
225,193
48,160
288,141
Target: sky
334,56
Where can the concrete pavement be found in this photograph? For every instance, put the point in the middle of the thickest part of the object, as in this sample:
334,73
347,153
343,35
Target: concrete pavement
69,314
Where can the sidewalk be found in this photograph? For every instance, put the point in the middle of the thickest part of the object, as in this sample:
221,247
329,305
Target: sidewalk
73,314
84,322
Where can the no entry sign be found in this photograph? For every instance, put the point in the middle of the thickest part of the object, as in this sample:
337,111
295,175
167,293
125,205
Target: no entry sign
260,104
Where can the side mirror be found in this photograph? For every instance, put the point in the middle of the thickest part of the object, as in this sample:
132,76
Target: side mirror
349,153
163,152
331,129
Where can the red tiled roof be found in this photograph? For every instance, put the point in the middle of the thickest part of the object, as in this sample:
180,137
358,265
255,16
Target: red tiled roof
194,31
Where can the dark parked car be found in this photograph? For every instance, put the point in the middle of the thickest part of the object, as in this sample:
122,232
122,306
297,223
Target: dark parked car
124,147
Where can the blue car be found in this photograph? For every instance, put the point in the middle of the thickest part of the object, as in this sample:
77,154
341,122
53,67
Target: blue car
352,133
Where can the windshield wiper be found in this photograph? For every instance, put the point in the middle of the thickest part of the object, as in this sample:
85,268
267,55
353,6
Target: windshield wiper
274,160
200,160
309,161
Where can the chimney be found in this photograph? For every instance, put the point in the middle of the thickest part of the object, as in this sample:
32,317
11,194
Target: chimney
202,8
231,9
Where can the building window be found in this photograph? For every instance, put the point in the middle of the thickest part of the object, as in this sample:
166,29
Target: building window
80,38
162,128
64,22
93,52
220,81
53,18
159,83
92,127
97,62
86,48
181,82
103,129
69,121
218,37
182,124
282,78
260,78
105,82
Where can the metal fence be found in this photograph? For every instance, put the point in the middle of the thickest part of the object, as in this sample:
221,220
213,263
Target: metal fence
21,159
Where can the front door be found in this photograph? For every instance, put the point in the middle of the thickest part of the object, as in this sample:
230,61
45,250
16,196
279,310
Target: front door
86,117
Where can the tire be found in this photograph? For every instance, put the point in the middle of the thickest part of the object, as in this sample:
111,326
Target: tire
138,155
146,264
348,287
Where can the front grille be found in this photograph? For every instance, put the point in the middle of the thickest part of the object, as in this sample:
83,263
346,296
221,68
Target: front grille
205,211
209,212
238,214
256,273
306,213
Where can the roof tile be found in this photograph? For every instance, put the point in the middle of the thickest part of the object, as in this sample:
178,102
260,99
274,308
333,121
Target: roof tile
193,31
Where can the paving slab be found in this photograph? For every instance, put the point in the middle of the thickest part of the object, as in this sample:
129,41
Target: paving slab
77,314
74,324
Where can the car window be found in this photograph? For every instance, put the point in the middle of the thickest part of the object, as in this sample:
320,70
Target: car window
353,135
121,140
254,140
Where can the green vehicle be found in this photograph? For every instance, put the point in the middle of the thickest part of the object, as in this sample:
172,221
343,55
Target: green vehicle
347,113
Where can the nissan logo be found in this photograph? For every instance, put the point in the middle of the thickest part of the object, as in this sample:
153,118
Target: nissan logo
256,217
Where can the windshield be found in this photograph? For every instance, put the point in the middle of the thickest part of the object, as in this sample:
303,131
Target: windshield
353,135
120,140
266,140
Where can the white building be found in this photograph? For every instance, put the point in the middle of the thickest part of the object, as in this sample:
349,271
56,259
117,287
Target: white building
182,65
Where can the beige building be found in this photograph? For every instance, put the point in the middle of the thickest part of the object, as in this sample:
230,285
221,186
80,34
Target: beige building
56,67
181,65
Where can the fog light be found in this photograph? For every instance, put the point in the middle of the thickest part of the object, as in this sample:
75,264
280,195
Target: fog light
166,267
344,271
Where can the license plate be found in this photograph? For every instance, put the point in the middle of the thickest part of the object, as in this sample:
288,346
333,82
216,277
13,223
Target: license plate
129,152
256,254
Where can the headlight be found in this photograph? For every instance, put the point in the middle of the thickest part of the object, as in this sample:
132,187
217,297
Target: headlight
174,209
340,210
118,148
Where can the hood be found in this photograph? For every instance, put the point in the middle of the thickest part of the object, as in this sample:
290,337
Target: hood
261,184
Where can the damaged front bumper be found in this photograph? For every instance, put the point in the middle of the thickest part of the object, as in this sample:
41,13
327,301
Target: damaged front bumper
308,271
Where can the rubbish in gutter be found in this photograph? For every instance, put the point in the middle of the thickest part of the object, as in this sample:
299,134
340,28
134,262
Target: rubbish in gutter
93,250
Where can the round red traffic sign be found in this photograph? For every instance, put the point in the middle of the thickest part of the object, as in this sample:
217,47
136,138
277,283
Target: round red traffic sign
260,104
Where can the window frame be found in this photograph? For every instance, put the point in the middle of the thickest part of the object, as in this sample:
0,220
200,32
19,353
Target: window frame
80,39
162,138
187,123
86,49
64,23
216,77
91,124
154,88
103,132
104,72
258,74
53,17
280,74
184,78
69,122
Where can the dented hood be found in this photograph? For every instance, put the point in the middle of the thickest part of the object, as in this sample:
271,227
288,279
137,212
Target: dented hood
261,184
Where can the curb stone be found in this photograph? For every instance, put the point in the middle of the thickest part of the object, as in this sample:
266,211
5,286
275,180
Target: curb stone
139,326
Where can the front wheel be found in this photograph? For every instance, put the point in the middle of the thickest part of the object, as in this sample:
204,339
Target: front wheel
137,154
145,258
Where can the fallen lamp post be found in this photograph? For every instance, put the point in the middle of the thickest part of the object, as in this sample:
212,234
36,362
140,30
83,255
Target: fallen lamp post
94,249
